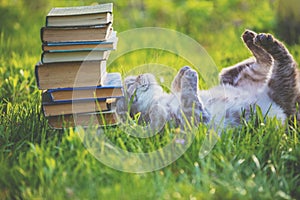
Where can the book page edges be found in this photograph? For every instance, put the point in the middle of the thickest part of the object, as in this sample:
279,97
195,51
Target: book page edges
81,10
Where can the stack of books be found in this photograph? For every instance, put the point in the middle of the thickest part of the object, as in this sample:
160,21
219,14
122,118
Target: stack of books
77,90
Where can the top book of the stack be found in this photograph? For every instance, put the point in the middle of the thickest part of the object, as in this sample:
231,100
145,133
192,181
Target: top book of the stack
80,16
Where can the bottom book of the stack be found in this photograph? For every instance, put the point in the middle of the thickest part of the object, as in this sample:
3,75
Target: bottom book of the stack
104,118
80,106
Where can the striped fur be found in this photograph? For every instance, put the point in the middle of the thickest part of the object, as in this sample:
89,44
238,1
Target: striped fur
271,75
252,72
283,83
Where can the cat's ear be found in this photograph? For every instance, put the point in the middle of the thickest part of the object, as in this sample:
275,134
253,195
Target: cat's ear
129,80
131,92
145,80
130,84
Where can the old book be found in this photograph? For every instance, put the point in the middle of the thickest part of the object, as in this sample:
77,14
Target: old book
106,118
68,56
111,88
70,107
109,44
70,74
80,15
75,34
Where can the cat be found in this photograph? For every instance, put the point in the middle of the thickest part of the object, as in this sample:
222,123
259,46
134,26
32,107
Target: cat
156,107
268,80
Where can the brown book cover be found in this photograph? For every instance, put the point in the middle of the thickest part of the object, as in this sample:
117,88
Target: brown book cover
111,88
70,107
79,19
74,34
70,74
109,44
68,56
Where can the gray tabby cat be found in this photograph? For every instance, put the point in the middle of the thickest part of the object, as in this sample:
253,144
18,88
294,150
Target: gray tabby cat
269,80
145,96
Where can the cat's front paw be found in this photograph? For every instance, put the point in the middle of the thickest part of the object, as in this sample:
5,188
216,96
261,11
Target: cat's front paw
176,84
191,75
190,80
264,40
183,69
248,36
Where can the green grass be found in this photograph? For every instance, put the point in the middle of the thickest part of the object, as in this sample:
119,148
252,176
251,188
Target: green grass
250,162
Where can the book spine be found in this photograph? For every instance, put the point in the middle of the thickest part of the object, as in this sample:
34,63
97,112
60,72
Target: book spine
36,72
47,98
42,56
42,34
46,22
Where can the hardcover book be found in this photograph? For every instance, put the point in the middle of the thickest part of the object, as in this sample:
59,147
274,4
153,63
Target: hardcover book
70,74
111,88
105,118
68,107
109,44
79,20
68,56
75,34
80,15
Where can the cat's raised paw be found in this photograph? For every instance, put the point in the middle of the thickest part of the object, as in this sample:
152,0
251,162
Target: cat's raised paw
190,76
176,84
190,79
248,36
183,70
264,40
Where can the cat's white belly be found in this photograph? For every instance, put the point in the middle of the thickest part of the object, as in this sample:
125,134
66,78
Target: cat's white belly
226,104
269,107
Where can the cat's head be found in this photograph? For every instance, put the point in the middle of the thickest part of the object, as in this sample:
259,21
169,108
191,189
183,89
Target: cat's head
141,86
140,92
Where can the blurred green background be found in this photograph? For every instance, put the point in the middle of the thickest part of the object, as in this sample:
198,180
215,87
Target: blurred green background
216,24
211,22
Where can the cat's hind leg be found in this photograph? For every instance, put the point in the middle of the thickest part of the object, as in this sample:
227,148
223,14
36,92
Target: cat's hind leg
253,71
283,84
